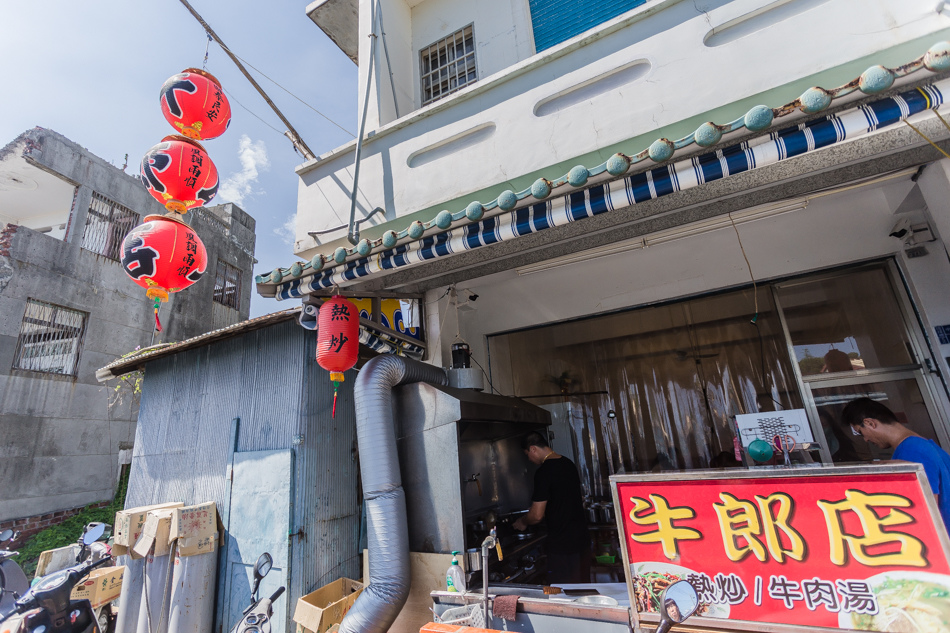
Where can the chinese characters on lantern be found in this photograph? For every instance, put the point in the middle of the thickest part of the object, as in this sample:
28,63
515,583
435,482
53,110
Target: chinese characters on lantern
810,551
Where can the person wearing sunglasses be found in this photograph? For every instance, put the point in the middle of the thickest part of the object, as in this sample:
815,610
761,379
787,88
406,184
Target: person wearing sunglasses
878,425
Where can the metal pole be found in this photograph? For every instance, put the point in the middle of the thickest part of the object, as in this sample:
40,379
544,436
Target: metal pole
308,154
389,66
353,231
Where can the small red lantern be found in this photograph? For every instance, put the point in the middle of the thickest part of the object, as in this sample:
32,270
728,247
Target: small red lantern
179,174
194,103
338,339
164,255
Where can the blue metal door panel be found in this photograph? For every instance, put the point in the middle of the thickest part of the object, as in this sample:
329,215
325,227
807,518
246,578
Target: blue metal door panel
555,21
259,521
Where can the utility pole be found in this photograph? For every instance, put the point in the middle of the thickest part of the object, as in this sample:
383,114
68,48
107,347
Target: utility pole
291,132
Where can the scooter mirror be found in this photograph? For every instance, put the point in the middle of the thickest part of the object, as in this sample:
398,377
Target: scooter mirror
93,532
680,601
261,569
263,565
6,535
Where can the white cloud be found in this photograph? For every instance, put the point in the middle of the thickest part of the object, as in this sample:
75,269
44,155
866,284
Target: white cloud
253,157
287,231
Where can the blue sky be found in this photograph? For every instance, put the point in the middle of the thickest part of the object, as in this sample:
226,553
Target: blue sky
92,72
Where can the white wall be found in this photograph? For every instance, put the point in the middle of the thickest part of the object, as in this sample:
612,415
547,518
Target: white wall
679,76
502,28
934,183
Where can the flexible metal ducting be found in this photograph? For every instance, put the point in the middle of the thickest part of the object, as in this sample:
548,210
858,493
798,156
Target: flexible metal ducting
388,533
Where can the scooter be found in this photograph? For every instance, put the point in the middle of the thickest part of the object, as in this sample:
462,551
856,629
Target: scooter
98,549
47,608
678,602
13,582
92,552
257,617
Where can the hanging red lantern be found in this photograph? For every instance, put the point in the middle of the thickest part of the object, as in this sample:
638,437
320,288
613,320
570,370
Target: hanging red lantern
338,339
195,105
179,174
163,255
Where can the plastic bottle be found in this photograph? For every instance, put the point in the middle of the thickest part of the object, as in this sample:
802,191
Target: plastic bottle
454,578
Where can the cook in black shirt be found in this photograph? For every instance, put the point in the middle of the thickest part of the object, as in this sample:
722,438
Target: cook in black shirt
557,498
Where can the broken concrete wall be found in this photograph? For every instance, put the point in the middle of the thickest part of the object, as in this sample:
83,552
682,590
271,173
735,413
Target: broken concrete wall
62,433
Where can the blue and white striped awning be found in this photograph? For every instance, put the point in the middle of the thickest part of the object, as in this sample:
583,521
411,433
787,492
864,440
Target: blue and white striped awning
661,181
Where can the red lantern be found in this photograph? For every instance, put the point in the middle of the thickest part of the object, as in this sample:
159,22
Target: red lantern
179,174
194,103
164,255
338,339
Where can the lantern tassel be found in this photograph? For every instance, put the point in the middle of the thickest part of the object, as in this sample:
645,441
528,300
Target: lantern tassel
336,386
158,324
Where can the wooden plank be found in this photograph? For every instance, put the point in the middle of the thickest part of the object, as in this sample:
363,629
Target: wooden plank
427,573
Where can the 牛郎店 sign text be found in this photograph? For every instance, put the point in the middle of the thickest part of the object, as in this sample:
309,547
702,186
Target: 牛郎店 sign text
857,548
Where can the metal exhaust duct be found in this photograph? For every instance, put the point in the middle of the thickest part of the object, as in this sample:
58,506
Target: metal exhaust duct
388,534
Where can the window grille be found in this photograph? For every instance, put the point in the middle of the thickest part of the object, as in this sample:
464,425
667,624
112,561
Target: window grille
227,285
448,65
107,224
50,339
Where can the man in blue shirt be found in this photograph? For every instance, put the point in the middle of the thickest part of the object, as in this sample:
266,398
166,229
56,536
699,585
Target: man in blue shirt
878,425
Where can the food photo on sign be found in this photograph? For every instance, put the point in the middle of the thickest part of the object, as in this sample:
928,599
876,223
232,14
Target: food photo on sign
860,548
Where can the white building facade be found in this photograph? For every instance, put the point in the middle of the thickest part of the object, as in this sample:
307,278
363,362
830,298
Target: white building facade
652,218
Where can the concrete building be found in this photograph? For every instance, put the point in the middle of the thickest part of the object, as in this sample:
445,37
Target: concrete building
67,308
676,209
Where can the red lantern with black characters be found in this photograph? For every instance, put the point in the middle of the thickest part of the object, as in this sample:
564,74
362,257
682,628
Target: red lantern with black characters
338,339
195,105
179,174
163,255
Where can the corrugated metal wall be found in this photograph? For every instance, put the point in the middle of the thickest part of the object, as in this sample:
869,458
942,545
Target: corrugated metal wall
555,21
267,378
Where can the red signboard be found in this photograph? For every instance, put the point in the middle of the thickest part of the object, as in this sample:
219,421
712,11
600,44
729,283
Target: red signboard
863,549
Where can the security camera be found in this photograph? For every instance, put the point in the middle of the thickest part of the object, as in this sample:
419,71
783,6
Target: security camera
308,316
902,229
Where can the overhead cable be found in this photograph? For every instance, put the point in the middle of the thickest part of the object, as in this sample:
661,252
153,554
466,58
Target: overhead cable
295,137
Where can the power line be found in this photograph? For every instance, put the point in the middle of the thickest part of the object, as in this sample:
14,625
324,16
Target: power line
294,136
251,112
288,91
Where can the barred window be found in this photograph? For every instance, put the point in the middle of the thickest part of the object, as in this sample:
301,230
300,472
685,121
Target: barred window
448,65
227,285
107,223
50,339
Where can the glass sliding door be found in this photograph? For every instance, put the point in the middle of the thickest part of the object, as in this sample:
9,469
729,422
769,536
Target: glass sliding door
849,338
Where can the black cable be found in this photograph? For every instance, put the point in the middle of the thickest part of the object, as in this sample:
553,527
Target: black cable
486,376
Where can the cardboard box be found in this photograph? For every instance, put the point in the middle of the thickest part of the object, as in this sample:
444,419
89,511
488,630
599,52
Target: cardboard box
53,560
155,534
100,586
129,523
194,545
196,527
317,612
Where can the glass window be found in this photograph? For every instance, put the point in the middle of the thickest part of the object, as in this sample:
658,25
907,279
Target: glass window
448,65
903,397
107,224
50,339
227,285
845,323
